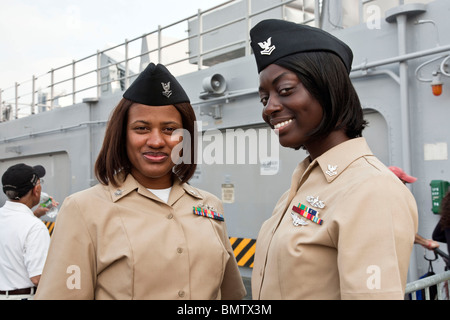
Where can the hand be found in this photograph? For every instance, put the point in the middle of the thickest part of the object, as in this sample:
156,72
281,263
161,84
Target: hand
54,203
426,243
40,211
431,244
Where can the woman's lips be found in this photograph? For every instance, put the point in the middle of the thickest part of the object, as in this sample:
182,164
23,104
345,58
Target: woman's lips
156,156
280,126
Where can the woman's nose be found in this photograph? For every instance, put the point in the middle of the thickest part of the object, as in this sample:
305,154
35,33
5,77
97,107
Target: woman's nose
155,139
273,105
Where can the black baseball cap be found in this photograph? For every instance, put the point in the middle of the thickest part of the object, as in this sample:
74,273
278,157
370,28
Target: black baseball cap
273,39
22,178
156,86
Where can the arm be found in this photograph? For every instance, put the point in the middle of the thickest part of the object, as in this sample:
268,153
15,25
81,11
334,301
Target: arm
35,280
35,251
376,235
426,243
69,271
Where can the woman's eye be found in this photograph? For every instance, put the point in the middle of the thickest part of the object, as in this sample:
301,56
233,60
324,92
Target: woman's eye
285,91
264,100
169,130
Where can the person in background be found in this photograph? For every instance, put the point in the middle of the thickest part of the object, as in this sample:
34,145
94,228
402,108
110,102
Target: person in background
143,232
406,178
24,239
345,228
441,232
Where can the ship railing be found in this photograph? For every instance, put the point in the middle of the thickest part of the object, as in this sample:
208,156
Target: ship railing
85,79
73,82
431,286
435,287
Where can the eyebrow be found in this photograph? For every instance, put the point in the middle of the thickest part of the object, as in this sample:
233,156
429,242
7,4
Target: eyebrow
280,76
274,81
163,123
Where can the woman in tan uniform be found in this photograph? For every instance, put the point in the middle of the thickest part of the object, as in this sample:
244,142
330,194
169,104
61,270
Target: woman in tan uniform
143,232
346,227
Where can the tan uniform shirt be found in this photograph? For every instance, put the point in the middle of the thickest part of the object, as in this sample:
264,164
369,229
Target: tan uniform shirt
362,248
125,243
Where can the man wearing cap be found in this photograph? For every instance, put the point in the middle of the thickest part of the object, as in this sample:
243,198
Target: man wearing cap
345,228
24,239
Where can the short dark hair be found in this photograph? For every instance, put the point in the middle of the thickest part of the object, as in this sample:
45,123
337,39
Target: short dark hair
113,157
326,78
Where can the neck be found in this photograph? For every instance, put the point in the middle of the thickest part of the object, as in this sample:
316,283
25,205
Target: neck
24,200
320,146
162,182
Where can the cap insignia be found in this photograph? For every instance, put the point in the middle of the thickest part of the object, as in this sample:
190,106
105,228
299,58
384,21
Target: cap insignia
267,47
166,87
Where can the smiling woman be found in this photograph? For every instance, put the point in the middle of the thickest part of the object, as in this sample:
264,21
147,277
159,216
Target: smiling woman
327,237
150,143
140,233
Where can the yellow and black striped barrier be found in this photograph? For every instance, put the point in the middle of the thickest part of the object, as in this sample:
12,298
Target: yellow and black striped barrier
244,251
50,226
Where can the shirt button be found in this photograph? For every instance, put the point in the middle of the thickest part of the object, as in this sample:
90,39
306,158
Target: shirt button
179,250
170,216
181,293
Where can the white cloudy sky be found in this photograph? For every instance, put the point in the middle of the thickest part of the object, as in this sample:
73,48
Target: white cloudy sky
37,35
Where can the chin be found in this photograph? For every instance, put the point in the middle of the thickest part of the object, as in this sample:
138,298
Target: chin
289,143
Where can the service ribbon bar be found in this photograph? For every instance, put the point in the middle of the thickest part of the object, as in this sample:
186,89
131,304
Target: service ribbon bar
308,213
208,213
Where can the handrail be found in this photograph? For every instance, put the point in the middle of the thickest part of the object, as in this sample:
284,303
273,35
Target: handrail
71,79
426,283
87,80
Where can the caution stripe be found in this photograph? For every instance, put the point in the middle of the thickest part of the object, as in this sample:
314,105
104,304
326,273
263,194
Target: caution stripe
50,226
244,251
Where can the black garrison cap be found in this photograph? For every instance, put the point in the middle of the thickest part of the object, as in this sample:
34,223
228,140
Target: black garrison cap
156,86
273,39
21,178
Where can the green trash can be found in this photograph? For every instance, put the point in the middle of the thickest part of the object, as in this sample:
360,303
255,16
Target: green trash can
439,189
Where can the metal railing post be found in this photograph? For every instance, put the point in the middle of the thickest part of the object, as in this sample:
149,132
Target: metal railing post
159,44
1,106
200,39
73,82
16,94
317,14
99,76
127,65
33,91
52,89
249,26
